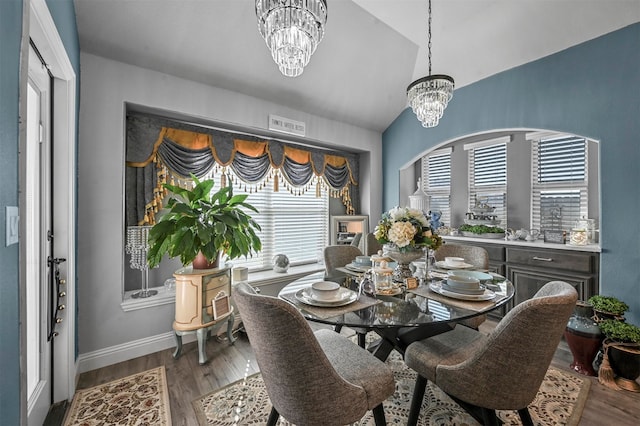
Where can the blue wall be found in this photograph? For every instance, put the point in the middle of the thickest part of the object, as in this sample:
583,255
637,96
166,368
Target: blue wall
592,90
10,36
63,13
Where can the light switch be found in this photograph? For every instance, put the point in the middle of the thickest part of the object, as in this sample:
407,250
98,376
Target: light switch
13,223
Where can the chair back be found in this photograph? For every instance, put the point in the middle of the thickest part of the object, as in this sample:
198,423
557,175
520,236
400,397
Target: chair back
371,245
302,384
474,255
507,371
338,256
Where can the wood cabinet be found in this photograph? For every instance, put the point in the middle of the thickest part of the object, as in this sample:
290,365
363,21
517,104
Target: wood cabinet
195,292
530,269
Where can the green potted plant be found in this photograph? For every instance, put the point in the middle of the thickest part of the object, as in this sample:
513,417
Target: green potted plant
621,355
200,225
607,307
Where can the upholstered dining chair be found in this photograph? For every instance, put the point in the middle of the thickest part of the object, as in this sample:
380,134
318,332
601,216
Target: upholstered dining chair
473,255
499,371
371,245
338,256
312,378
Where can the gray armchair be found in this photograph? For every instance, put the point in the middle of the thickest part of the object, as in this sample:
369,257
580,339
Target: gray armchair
319,378
473,255
371,245
501,371
338,256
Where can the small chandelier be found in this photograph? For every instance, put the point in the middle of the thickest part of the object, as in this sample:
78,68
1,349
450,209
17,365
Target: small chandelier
292,30
429,96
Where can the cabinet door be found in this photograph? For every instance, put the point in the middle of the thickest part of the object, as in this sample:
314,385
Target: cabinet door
527,282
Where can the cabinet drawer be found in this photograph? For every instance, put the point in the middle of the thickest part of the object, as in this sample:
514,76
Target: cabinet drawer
496,254
577,262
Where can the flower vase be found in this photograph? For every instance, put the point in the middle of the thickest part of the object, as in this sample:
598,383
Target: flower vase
403,257
584,339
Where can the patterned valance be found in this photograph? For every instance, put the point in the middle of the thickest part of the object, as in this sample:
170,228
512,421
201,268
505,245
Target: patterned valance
160,150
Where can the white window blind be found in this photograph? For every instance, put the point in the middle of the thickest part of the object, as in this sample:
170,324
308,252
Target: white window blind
488,178
294,225
436,182
559,182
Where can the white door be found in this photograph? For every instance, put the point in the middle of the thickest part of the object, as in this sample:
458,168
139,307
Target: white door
48,98
37,251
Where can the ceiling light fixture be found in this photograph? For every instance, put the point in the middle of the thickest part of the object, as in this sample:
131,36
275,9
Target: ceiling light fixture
429,96
292,30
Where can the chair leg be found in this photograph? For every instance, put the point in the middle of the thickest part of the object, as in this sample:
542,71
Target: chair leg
416,400
525,416
362,340
489,417
273,417
378,415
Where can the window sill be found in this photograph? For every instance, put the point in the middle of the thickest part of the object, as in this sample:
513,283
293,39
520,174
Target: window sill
257,279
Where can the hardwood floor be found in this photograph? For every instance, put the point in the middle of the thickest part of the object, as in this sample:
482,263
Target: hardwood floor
227,363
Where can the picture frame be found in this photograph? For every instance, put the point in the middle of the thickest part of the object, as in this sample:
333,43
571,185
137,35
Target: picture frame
221,305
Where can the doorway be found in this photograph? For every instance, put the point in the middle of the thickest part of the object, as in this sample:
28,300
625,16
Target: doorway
48,136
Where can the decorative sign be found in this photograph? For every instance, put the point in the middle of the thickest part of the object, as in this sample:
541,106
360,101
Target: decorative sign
221,305
558,237
286,125
411,282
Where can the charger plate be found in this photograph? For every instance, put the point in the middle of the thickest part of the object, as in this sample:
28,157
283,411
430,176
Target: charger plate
487,295
345,297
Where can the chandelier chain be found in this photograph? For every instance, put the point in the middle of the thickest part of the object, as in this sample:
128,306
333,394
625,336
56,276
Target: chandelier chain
429,96
429,38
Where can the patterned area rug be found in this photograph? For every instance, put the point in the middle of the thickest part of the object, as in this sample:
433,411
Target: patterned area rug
139,399
559,401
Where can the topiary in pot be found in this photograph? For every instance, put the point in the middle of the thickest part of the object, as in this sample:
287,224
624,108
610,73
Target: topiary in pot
622,355
608,307
199,221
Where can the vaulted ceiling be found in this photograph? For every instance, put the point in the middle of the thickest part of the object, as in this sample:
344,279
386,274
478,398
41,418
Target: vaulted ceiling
371,51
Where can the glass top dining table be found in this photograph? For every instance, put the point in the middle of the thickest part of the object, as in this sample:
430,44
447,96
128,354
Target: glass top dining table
399,319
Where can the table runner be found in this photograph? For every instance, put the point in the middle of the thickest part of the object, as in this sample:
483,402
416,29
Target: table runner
479,305
324,313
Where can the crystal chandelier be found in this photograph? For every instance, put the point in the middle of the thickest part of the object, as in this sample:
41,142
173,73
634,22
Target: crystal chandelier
292,30
429,96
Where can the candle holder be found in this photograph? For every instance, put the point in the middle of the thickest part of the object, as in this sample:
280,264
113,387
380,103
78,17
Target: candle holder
137,247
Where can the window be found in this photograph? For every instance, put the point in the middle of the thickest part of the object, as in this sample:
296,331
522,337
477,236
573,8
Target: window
436,182
294,225
488,176
559,182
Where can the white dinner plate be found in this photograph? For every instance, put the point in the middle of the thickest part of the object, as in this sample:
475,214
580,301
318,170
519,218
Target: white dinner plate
345,296
487,295
443,265
357,268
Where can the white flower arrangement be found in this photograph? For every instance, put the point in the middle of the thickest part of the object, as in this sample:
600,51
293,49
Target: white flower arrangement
407,229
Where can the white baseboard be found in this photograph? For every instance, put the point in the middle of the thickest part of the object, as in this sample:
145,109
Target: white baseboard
271,283
126,351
